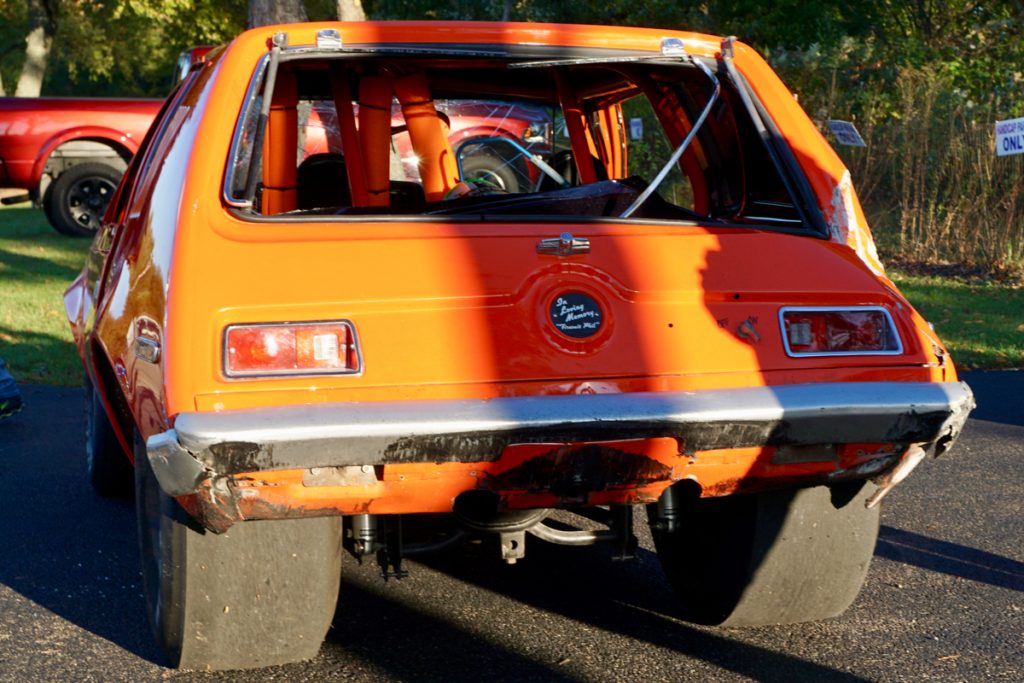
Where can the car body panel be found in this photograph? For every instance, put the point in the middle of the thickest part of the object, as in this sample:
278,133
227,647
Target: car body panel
457,310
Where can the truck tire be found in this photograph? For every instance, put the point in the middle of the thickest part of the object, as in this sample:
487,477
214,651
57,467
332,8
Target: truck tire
260,594
493,169
778,557
76,201
109,470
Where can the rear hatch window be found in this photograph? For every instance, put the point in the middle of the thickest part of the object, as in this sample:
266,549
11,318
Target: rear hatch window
577,138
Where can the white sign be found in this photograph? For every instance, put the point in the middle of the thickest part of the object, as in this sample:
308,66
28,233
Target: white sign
846,133
1009,137
636,129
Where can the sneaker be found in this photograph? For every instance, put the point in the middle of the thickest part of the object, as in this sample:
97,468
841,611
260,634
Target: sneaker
10,406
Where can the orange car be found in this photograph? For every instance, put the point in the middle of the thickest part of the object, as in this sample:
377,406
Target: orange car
682,309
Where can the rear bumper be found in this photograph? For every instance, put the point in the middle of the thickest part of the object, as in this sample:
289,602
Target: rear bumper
206,446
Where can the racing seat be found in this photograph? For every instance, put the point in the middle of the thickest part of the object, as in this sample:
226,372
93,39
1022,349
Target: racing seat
322,181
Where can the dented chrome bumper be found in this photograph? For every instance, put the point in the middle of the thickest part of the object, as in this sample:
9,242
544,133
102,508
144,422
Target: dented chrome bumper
206,445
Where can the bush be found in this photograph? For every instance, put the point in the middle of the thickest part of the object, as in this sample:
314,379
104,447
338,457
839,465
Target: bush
930,181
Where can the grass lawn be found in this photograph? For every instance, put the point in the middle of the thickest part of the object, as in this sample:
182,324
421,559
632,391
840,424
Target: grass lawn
36,266
983,324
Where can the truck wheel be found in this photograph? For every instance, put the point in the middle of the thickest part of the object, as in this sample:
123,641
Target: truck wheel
493,169
778,557
260,594
110,471
76,201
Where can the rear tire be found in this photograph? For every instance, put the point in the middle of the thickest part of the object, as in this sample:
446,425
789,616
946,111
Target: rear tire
76,201
778,557
110,471
260,594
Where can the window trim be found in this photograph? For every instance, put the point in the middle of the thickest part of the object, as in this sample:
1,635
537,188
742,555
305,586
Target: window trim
255,83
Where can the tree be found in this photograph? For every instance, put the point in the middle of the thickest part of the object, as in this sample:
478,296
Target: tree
42,15
268,12
351,10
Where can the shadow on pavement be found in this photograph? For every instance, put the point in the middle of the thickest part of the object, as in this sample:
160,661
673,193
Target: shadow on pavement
628,598
998,394
64,547
949,558
413,645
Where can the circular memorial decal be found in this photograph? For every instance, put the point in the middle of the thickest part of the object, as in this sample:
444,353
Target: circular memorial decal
576,315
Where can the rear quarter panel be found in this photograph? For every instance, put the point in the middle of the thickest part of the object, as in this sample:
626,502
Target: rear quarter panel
828,177
136,278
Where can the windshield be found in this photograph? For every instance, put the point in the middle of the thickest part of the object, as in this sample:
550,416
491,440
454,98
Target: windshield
481,137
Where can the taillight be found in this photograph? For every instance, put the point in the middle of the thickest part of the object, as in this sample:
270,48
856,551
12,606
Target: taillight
313,348
857,330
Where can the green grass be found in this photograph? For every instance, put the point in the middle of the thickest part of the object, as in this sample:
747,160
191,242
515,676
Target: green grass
981,323
36,266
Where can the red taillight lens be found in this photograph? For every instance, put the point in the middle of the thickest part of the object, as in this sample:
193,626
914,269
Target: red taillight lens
291,349
834,332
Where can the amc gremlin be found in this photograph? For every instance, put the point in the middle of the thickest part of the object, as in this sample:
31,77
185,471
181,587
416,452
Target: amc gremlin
658,294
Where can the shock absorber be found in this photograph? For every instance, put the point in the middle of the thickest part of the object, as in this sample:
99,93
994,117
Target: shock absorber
669,510
366,535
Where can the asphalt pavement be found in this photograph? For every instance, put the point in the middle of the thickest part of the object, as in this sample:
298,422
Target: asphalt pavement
944,599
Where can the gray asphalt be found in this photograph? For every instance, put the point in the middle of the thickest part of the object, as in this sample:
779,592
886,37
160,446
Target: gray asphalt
944,599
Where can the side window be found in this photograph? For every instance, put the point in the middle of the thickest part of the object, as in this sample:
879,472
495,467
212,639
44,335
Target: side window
647,149
245,142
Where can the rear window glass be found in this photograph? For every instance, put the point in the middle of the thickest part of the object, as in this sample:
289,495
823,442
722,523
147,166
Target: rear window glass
479,138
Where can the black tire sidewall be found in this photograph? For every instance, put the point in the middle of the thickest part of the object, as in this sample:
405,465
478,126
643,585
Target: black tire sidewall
738,555
280,579
109,471
709,563
161,532
57,196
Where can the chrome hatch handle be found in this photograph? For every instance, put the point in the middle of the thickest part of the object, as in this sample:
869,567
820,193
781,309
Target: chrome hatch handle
564,245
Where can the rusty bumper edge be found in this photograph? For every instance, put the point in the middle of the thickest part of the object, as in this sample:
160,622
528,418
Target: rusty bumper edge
205,445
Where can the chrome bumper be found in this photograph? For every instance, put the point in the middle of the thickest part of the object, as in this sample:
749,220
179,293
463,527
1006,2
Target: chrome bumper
210,444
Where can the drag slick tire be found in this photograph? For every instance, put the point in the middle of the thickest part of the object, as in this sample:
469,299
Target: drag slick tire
110,471
778,557
77,199
260,594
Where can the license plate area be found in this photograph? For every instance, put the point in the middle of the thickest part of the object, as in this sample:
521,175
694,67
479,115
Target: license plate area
571,470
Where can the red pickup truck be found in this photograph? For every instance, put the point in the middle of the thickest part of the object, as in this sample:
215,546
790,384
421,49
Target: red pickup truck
69,153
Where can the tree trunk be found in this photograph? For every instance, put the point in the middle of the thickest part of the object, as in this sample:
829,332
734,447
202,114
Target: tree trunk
351,10
267,12
41,24
506,14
